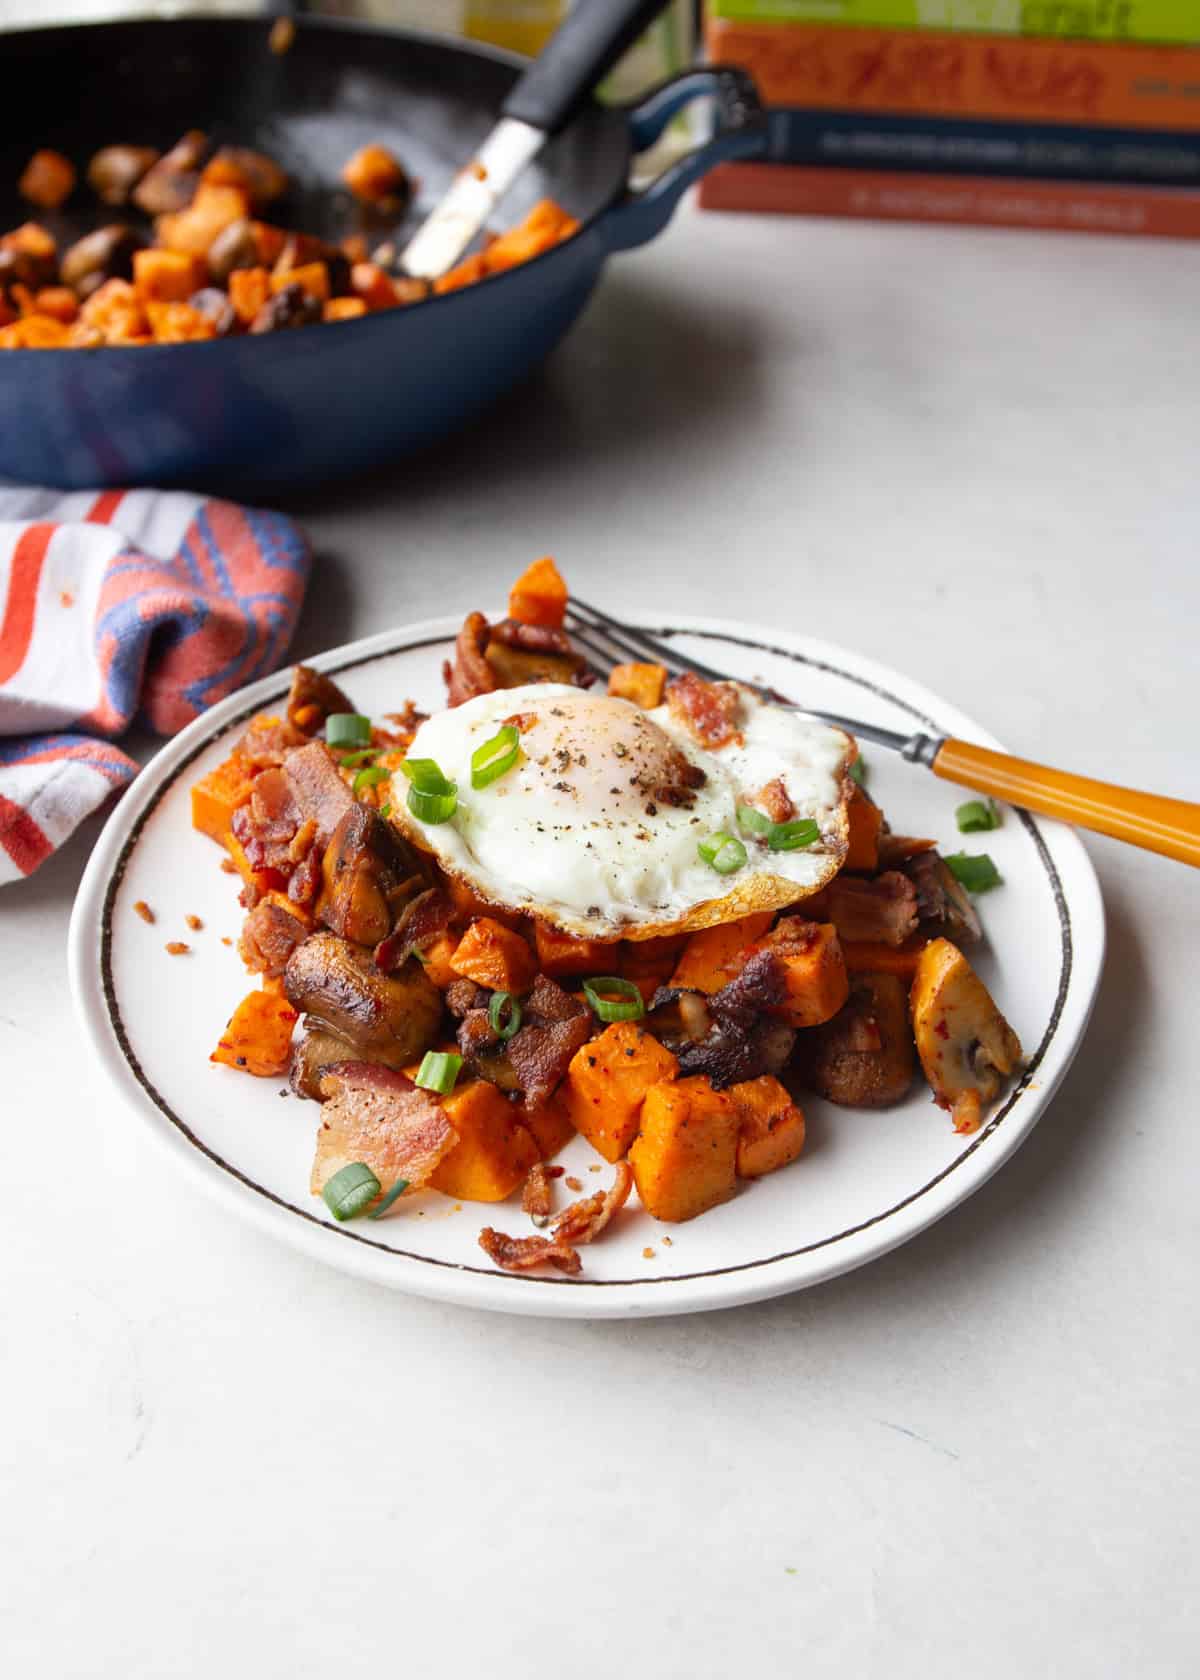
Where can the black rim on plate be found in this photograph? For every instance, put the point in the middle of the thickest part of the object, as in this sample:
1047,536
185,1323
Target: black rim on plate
113,1010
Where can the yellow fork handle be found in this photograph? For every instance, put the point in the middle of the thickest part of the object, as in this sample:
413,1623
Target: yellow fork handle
1169,826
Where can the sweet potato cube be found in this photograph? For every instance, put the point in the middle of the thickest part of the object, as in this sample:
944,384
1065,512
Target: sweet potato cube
374,175
167,276
47,180
249,289
262,880
343,308
551,1127
770,1126
561,953
34,332
465,273
373,285
641,683
817,985
212,210
607,1082
649,962
871,956
684,1157
864,825
494,1150
178,323
495,956
312,278
258,1038
715,956
467,904
437,960
539,595
59,302
216,797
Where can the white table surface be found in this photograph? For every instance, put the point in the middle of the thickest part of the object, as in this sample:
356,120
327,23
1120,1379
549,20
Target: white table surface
973,455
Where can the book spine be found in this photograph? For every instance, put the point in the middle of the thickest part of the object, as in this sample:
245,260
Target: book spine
1155,21
853,140
1069,206
985,76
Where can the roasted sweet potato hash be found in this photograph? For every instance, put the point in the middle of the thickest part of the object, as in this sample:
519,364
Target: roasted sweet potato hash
457,1042
191,252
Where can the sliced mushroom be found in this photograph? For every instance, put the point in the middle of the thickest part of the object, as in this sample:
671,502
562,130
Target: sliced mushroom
967,1048
390,1018
106,254
863,1058
115,171
170,184
234,247
369,872
943,904
312,1054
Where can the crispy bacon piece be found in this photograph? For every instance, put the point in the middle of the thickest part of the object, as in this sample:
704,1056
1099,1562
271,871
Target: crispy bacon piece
584,1220
313,696
268,741
553,1026
306,878
469,674
266,824
882,909
523,1254
462,996
269,936
532,638
378,1116
537,1198
707,710
775,801
318,789
421,921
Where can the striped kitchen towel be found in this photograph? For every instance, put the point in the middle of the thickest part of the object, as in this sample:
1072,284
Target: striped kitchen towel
129,604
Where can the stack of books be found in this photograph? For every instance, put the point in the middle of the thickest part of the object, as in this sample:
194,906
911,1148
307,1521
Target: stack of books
1073,114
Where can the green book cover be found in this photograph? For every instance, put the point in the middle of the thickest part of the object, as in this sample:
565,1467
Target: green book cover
1167,21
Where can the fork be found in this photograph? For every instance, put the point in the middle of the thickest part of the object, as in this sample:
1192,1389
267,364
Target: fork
1149,820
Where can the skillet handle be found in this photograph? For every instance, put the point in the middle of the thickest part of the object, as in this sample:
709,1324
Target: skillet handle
739,131
584,47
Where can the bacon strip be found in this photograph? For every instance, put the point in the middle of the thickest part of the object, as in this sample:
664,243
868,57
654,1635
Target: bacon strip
584,1220
421,921
377,1115
524,1254
708,710
470,674
318,789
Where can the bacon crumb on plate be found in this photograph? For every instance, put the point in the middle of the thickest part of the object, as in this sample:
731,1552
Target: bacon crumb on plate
536,1198
194,923
522,1254
584,1220
177,948
144,910
574,1183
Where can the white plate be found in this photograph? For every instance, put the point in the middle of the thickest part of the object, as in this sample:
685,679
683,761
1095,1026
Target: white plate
866,1181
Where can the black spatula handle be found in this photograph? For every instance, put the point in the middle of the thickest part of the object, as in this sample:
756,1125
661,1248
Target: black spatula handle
583,48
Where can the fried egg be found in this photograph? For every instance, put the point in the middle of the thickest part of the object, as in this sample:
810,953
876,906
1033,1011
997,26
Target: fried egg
597,826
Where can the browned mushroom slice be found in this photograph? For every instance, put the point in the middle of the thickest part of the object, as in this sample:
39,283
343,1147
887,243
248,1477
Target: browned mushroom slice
311,699
369,872
170,184
391,1018
863,1058
115,171
967,1048
106,254
943,904
312,1053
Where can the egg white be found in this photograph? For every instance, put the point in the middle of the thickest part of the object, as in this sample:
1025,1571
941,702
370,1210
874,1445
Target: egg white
574,835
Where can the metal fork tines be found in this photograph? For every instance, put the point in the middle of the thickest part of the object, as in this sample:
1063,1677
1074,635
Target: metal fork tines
610,642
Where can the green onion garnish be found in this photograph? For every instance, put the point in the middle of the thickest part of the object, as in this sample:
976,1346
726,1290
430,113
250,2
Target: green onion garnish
495,757
385,810
614,999
976,816
500,1002
347,729
397,1190
722,852
438,1071
780,837
976,871
431,798
858,771
348,761
350,1190
793,836
370,776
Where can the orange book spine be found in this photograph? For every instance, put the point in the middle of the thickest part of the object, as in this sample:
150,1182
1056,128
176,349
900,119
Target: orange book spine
877,195
1003,77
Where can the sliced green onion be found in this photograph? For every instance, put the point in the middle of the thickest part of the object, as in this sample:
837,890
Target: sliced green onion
431,798
722,852
793,836
975,870
614,999
347,729
350,1190
977,816
385,810
780,837
751,821
348,761
397,1190
438,1071
858,771
500,1002
495,757
370,776
432,807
